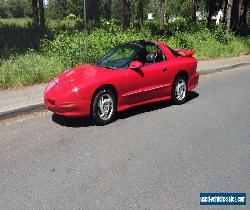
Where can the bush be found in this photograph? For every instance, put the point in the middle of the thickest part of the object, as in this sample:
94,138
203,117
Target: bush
70,47
67,50
28,69
152,26
210,44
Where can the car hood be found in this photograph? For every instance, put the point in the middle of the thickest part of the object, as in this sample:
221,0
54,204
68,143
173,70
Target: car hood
79,74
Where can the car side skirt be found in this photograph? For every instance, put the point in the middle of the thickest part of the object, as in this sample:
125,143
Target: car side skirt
124,107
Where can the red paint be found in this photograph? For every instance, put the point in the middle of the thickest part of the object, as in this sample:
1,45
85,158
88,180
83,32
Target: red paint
71,93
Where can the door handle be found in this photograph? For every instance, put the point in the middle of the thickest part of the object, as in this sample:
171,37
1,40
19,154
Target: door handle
165,69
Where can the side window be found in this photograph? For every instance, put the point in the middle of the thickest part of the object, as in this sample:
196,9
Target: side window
152,49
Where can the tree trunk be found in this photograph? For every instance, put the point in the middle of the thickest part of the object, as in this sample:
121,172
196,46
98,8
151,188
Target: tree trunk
35,12
225,11
141,12
210,12
109,9
97,7
235,14
240,11
162,13
229,15
244,14
126,14
41,15
194,11
93,10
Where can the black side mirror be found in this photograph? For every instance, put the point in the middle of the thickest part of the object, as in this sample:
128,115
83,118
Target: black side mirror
150,58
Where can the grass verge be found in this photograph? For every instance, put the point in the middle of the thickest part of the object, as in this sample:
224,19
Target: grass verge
28,69
67,50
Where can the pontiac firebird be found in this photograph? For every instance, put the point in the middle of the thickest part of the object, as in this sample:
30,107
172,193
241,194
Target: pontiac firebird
131,74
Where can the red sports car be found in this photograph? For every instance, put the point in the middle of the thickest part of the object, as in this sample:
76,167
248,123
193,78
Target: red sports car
132,74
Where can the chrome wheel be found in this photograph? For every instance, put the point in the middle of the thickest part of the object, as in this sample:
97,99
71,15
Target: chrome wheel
105,107
180,90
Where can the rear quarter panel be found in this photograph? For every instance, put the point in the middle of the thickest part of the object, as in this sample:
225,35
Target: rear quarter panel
176,65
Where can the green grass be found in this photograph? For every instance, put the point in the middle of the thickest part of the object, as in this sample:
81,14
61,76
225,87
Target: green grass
28,69
208,46
67,50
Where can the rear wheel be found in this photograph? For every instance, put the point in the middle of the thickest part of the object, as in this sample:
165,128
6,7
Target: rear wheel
180,91
104,107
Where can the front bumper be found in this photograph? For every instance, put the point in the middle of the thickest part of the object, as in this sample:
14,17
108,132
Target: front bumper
66,103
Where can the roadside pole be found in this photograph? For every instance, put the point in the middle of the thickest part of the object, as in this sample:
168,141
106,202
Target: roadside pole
85,31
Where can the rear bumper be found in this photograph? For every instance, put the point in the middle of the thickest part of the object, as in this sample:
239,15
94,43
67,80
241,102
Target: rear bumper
193,81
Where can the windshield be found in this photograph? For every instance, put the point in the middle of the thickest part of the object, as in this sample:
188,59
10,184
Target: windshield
119,57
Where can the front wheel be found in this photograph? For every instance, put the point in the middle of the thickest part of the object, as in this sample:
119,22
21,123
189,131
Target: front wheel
180,91
104,107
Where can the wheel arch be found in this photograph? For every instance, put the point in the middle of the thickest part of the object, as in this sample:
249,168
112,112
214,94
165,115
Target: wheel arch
104,86
182,73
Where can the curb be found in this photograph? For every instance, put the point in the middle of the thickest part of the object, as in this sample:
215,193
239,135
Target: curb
41,107
223,68
22,111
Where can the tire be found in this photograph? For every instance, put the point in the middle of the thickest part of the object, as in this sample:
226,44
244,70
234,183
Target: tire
180,90
104,107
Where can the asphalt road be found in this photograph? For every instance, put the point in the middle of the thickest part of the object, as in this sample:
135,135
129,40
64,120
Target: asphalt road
153,157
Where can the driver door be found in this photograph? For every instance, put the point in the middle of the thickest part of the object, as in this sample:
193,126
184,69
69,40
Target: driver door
149,82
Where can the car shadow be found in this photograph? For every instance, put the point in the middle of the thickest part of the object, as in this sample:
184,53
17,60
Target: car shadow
74,122
151,107
87,122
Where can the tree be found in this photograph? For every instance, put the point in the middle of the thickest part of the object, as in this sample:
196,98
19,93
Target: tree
126,10
194,7
243,19
35,12
141,12
212,8
15,9
239,9
93,11
185,9
229,15
225,11
235,14
107,9
4,9
41,14
163,4
38,13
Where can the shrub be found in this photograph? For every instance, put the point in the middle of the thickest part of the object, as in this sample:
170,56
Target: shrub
70,47
67,50
28,69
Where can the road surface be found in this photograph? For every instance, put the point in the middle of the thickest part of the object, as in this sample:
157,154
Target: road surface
153,157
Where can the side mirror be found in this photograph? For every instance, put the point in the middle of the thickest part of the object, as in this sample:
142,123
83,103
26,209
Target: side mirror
135,65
